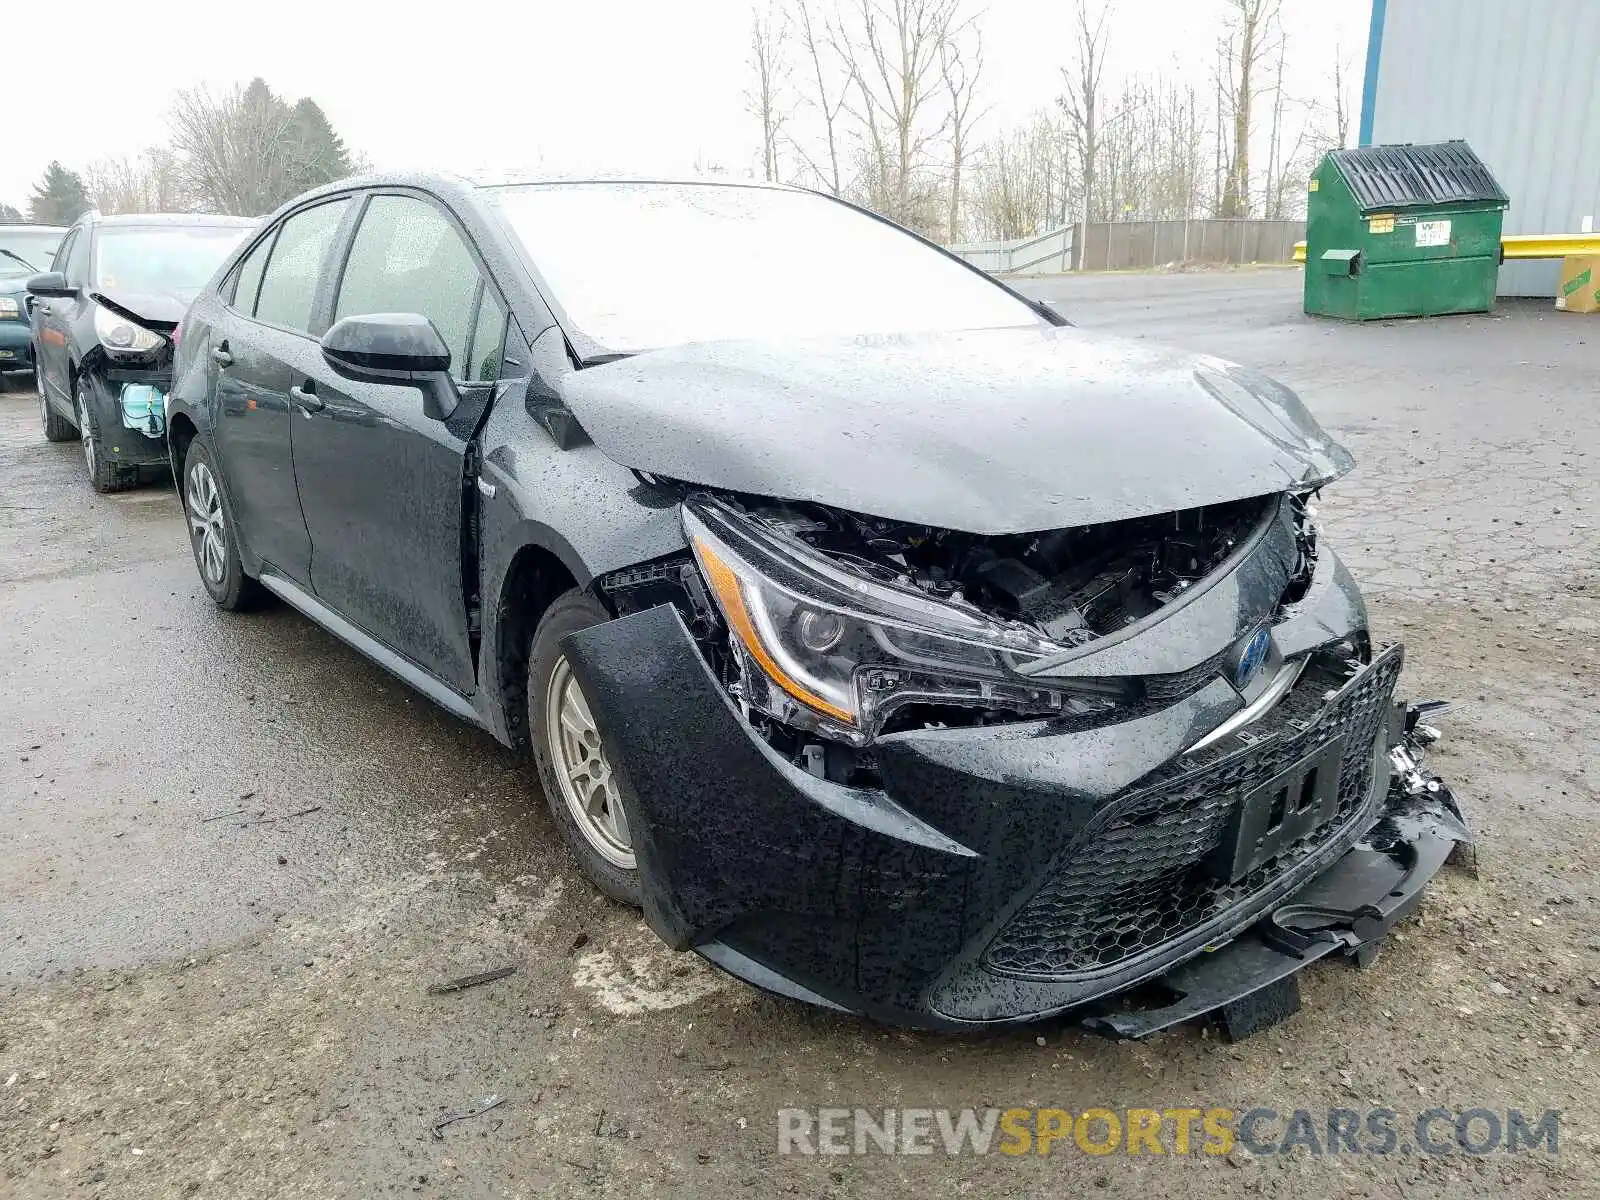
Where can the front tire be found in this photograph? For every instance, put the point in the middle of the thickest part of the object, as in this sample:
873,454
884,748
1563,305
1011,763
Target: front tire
211,533
56,427
571,756
105,473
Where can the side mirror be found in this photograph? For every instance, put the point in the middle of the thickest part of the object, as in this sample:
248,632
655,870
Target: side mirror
51,283
401,348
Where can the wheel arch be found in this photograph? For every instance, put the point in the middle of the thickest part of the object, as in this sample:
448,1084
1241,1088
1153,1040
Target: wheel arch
533,580
181,431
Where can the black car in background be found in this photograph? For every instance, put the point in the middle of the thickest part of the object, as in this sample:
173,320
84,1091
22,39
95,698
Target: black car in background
25,250
897,646
104,318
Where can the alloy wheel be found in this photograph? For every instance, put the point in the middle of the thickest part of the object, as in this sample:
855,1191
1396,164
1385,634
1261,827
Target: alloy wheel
583,771
206,523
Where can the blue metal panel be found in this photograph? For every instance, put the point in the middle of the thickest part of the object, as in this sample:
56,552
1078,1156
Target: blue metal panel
1519,82
1369,85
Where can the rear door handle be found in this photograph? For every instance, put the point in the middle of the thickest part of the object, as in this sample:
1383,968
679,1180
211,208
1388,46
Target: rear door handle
221,357
306,399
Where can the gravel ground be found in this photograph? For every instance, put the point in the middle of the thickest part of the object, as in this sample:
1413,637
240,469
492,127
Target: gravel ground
236,855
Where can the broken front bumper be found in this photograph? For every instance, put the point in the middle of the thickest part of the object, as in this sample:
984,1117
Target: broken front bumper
130,408
1012,872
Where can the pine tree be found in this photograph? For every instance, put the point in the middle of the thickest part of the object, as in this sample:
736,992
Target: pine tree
7,213
249,151
320,154
60,198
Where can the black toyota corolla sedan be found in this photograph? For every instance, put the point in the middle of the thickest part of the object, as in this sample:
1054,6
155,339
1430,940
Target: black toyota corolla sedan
104,318
896,645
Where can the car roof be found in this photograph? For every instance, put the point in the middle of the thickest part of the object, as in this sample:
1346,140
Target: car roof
462,187
153,220
30,227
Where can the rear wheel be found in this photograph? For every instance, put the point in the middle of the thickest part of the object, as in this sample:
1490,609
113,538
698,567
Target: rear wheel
105,473
570,752
211,533
56,427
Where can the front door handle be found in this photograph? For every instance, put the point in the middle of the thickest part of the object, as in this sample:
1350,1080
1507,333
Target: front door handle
220,355
306,398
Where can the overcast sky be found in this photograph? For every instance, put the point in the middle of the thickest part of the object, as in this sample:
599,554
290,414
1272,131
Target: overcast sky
612,85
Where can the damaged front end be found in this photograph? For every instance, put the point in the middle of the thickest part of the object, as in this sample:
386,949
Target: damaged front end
132,364
951,779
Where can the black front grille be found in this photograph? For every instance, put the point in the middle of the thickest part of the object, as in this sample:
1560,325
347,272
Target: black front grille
1169,689
1143,871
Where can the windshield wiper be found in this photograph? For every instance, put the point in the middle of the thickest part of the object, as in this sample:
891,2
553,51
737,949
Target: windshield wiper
18,258
600,360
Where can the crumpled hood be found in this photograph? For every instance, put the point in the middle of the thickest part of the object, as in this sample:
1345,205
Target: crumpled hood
987,431
160,311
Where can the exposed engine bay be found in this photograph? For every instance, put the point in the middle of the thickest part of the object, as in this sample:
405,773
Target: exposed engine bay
1073,585
821,687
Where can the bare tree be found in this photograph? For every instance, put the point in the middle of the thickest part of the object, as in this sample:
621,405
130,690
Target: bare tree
1247,45
148,183
1019,183
1341,105
235,151
1083,100
828,99
765,101
960,69
1275,172
893,60
250,150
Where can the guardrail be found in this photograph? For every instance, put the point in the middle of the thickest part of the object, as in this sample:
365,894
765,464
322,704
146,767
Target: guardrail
1525,245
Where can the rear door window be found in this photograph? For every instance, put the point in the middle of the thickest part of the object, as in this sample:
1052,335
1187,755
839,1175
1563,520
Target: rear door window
407,257
288,291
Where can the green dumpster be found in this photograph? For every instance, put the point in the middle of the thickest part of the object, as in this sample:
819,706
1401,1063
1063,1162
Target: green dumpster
1402,231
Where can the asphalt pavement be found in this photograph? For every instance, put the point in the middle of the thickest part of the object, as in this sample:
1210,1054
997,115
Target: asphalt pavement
236,855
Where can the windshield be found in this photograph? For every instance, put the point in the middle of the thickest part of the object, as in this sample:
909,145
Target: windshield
35,247
637,266
168,258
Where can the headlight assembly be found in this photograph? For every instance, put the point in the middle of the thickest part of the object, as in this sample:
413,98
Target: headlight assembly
8,307
823,649
118,334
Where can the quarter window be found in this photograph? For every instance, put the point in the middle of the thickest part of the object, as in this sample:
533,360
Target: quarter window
488,341
78,259
64,252
247,279
408,258
289,285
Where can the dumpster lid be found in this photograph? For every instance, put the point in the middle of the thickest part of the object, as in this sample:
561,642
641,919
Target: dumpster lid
1407,176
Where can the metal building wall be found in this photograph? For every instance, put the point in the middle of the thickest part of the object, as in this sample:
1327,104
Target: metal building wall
1520,80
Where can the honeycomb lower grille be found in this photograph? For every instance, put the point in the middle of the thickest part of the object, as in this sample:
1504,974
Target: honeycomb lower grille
1141,874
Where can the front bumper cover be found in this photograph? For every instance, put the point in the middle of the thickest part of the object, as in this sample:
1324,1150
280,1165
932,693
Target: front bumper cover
891,901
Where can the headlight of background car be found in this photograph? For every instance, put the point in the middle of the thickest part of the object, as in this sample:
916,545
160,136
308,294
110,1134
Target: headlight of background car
8,307
825,650
118,333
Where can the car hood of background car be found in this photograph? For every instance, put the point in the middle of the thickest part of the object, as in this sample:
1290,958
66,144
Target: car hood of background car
988,431
160,311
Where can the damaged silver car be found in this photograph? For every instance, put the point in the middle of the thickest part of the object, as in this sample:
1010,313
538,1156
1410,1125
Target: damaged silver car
897,646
